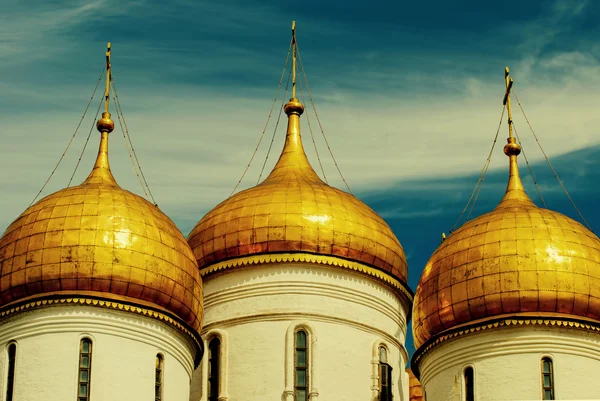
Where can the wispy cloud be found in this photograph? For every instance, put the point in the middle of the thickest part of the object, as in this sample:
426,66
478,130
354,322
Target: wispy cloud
399,99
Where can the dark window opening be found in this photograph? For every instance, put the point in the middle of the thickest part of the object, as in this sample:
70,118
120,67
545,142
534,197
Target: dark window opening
469,384
214,352
385,376
12,355
85,366
158,378
547,380
301,366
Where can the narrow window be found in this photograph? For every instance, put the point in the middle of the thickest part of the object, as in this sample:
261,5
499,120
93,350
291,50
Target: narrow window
301,366
385,376
158,379
469,384
85,365
547,379
214,351
12,354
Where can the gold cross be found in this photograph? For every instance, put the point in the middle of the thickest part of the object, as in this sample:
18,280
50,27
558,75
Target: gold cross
107,91
294,59
509,83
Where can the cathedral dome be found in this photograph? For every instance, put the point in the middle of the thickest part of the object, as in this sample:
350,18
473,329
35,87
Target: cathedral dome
98,241
515,260
293,212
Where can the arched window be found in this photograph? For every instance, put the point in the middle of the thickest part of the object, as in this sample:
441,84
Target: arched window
214,350
12,355
85,368
547,379
301,366
469,384
158,379
385,376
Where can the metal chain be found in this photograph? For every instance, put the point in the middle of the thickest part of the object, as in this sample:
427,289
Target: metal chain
268,119
275,130
87,140
71,140
312,136
550,164
127,138
135,168
481,175
318,120
528,166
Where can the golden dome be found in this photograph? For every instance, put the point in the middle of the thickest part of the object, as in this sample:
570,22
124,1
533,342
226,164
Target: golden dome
415,390
294,211
99,242
515,260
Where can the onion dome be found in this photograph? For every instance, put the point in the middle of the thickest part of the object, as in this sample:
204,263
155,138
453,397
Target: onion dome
294,216
99,244
415,390
517,260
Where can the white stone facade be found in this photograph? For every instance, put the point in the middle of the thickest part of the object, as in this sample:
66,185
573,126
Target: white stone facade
347,315
124,349
507,364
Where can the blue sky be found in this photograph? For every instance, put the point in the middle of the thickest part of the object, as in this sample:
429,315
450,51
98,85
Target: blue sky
409,94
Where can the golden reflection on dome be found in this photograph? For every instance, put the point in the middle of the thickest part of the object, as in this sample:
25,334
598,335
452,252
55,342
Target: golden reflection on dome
293,210
99,240
515,259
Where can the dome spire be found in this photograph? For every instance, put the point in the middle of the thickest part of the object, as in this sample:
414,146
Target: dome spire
293,161
101,173
515,192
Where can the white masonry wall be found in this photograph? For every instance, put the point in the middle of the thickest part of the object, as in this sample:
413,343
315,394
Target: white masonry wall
124,349
255,311
507,364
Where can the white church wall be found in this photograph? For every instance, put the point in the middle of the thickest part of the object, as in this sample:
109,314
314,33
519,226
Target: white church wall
344,313
124,348
507,364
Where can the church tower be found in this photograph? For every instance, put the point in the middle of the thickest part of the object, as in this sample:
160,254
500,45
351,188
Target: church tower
305,290
508,306
100,295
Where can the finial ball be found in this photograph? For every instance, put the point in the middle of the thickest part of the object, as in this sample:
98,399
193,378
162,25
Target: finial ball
512,148
105,124
293,107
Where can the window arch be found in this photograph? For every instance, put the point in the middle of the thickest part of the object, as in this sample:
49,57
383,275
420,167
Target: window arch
547,379
10,378
385,376
301,365
214,370
214,356
85,369
158,377
300,362
469,381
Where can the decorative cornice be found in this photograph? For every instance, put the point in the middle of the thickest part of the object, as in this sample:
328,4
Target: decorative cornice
302,257
13,309
567,322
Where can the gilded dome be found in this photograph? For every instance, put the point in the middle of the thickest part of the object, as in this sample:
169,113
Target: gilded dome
99,241
293,211
516,259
